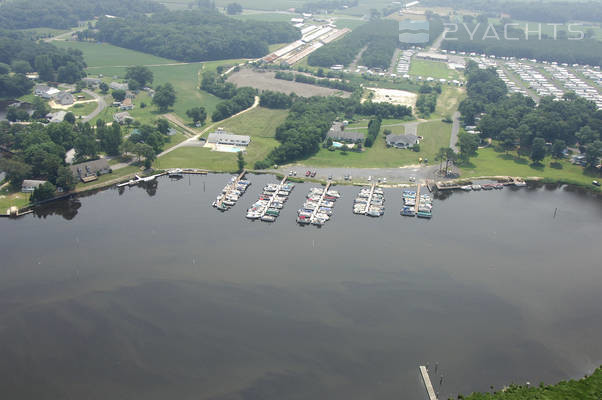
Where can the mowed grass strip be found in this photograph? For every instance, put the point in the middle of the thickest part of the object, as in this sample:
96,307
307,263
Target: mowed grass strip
489,162
436,135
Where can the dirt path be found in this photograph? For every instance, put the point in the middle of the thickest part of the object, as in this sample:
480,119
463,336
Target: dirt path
356,60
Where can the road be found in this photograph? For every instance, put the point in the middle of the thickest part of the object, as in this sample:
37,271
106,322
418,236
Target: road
453,140
102,104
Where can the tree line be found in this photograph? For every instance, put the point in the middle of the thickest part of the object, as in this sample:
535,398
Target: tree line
373,130
63,14
198,35
329,83
516,122
427,99
235,99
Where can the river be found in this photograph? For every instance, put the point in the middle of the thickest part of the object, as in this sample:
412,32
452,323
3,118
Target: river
151,293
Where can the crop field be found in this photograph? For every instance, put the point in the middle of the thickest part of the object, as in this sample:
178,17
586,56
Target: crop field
266,81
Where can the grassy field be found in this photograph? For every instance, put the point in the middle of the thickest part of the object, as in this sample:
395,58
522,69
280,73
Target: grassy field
9,198
488,162
260,124
433,69
448,101
104,54
588,388
83,109
436,134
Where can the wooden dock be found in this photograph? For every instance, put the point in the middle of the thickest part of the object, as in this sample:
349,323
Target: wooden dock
427,383
313,214
417,198
273,197
232,185
372,187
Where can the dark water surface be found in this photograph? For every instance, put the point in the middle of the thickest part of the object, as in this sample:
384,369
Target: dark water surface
152,294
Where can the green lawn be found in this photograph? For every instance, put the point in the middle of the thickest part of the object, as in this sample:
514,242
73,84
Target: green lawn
259,122
436,135
433,69
488,162
108,177
83,109
448,101
104,54
9,198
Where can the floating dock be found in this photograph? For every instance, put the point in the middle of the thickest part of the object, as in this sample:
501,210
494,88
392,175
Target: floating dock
370,201
427,383
231,192
270,202
318,207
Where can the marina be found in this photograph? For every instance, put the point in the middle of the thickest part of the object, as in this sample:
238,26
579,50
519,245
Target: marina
270,202
318,207
370,201
416,203
232,192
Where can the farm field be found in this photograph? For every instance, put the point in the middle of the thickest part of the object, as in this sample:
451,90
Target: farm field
434,69
104,54
436,135
266,81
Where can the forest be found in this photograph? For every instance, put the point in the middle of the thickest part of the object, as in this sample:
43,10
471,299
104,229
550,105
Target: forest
63,14
199,35
517,122
19,56
562,50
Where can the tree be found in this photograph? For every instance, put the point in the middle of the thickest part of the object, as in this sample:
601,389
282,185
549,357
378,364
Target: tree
197,114
85,143
40,108
118,95
558,148
65,179
80,85
69,117
233,8
16,171
163,126
241,161
440,156
468,145
110,141
43,192
144,150
21,67
164,97
140,75
593,152
44,67
538,150
104,88
450,157
509,137
4,68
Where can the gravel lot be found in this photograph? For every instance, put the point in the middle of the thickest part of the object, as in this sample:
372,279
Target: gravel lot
266,81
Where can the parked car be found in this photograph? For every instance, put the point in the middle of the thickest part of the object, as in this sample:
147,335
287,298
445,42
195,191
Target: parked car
313,174
596,183
308,173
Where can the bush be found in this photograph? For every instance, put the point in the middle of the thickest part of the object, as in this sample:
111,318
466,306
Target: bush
416,147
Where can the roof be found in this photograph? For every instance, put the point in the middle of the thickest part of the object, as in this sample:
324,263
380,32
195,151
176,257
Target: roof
122,116
32,183
224,137
337,133
89,168
406,139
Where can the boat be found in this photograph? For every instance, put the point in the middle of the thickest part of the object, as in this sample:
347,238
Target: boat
253,215
520,183
407,212
176,173
488,187
424,214
268,218
498,186
303,220
466,188
476,187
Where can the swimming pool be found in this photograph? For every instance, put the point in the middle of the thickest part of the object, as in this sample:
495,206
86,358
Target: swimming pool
228,148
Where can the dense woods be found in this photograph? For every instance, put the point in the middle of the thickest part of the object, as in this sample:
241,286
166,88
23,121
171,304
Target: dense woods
516,121
198,35
62,14
586,51
277,100
20,56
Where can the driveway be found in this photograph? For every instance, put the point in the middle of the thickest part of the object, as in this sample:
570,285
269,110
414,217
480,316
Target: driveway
102,104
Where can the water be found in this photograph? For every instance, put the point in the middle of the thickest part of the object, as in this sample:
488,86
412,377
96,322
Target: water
150,293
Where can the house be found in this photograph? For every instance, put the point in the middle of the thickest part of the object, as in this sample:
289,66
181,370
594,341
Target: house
91,170
118,86
64,98
92,82
401,141
34,76
127,104
222,137
56,117
130,95
45,92
338,132
122,117
29,185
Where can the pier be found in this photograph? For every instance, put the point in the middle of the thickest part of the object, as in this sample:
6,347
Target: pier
427,383
267,207
372,187
312,219
229,189
417,198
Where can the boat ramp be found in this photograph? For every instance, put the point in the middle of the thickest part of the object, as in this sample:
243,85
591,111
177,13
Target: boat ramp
370,201
270,202
319,206
232,192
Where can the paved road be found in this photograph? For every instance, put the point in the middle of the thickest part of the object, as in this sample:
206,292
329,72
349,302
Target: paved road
360,175
102,104
453,140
